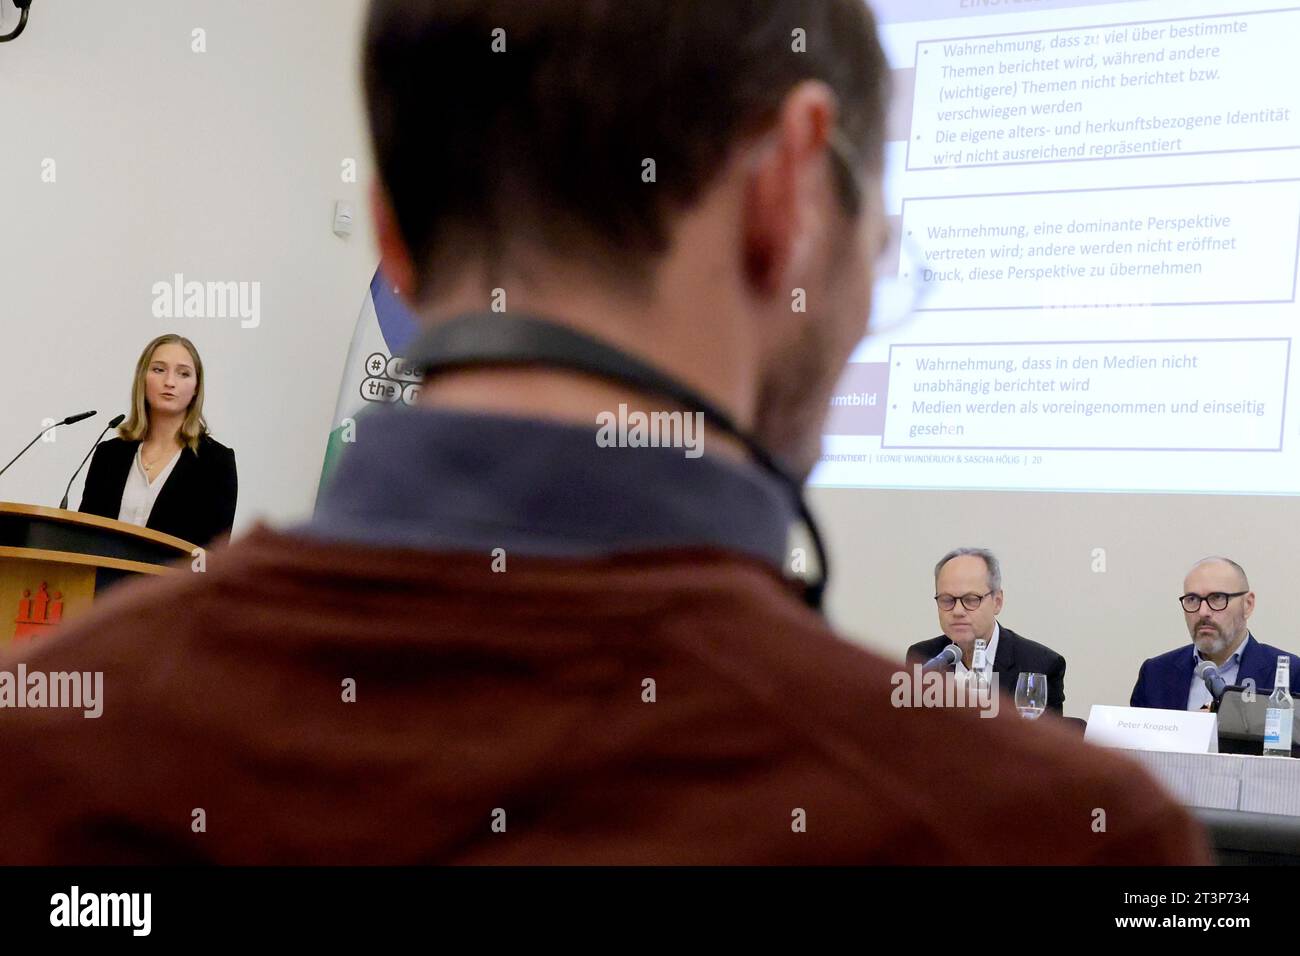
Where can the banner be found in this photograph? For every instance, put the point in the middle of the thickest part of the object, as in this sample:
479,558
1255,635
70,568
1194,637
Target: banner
374,373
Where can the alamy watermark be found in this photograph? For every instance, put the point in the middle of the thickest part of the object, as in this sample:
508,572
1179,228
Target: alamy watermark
651,430
76,908
179,299
940,689
78,690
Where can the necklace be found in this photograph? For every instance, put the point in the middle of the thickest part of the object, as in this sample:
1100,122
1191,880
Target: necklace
148,465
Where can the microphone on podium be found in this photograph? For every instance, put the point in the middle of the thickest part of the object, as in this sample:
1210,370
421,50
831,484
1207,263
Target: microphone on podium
70,420
112,424
943,660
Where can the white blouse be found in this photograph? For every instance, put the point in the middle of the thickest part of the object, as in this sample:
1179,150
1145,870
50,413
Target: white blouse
140,493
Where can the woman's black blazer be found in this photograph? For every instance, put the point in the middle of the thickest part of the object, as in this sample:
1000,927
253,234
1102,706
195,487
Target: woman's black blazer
197,503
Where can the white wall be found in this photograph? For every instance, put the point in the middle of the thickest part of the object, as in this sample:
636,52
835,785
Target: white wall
885,545
222,165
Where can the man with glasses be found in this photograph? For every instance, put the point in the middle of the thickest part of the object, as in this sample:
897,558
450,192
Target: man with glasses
968,594
1217,601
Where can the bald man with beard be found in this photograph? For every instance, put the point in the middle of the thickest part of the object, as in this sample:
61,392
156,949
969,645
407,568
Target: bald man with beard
1217,603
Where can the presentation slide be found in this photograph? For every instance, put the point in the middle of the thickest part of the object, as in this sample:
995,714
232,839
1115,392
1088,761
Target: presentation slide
1098,206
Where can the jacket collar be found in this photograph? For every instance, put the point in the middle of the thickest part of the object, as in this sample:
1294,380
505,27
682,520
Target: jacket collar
1005,659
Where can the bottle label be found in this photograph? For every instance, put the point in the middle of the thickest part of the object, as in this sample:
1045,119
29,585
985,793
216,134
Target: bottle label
1277,728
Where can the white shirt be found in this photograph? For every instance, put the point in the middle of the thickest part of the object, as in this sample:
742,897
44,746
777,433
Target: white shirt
990,651
140,493
1199,695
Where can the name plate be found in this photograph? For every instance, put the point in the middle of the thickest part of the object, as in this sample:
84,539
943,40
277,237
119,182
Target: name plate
1145,728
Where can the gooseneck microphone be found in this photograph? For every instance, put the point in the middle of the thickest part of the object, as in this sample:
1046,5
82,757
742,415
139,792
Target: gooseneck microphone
1208,672
22,6
68,490
70,420
947,657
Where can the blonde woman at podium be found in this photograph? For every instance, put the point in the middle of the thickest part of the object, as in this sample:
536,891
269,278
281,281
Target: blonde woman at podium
164,471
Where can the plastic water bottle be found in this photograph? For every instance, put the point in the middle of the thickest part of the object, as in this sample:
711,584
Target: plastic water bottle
979,679
1277,718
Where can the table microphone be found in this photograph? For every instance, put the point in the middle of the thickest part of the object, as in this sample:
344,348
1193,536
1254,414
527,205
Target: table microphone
1208,671
71,419
946,658
112,424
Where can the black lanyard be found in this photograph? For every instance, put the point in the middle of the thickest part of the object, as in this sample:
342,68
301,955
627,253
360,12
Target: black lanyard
491,338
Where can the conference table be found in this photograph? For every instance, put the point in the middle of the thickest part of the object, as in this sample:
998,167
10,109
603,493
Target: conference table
1228,781
1249,804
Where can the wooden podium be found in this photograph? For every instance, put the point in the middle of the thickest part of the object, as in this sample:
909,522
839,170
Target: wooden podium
54,562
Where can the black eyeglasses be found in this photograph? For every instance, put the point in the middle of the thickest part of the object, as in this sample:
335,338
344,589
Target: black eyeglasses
1217,600
970,602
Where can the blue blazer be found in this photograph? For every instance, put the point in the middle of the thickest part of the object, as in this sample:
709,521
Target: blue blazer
1165,681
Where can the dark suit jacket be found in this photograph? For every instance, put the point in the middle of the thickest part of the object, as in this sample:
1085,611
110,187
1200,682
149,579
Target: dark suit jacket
1016,655
197,503
1165,681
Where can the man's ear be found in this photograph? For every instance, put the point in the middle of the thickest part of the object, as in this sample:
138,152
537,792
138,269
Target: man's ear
394,256
768,219
780,186
1248,603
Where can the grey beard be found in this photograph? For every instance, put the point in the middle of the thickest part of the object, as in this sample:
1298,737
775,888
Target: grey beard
1212,645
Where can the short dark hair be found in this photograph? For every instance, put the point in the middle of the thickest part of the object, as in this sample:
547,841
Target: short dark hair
545,142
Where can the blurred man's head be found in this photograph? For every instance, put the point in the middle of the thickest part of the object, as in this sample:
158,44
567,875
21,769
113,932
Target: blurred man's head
698,183
968,594
1217,601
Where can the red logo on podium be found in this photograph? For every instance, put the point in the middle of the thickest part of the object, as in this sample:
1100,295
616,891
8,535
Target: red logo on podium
37,614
